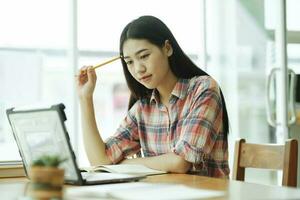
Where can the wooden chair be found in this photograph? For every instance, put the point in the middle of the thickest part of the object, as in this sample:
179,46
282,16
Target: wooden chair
267,156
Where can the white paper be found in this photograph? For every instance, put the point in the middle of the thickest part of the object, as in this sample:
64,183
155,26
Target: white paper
142,191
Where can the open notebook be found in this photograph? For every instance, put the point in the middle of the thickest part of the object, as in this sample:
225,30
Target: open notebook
124,169
43,132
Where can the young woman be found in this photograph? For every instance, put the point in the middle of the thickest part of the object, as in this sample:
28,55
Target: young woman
177,117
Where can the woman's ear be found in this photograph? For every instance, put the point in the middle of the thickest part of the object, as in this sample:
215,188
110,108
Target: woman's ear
168,48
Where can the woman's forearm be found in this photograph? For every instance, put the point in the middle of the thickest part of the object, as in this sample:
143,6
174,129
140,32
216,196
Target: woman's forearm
93,143
168,162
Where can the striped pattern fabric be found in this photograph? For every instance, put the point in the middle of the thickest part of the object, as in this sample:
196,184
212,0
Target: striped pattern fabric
191,127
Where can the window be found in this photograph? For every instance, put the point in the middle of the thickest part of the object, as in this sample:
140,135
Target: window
35,56
33,60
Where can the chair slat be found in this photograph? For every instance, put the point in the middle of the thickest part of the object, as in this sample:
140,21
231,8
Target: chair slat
262,156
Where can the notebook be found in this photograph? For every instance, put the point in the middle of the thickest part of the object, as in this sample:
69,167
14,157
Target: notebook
124,169
42,131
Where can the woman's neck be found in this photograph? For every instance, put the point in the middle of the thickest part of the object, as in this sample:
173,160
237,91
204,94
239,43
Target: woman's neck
166,88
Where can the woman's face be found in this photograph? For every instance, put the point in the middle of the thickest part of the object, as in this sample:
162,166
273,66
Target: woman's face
146,62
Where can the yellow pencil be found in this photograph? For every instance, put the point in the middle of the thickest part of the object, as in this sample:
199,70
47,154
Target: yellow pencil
103,63
106,62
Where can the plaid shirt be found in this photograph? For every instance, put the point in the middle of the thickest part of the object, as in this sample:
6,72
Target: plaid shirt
192,128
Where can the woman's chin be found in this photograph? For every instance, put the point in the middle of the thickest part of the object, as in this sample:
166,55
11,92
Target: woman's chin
149,87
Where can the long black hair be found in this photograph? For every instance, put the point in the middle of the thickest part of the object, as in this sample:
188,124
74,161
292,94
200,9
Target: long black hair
156,32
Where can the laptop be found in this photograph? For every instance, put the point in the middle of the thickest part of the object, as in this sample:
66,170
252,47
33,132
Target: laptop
43,132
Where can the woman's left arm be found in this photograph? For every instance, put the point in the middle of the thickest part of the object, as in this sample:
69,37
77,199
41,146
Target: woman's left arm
169,162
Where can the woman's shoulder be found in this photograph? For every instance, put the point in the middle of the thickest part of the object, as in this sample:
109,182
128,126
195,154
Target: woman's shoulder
202,83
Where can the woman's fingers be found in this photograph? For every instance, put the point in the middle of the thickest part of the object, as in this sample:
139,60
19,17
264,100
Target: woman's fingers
82,76
91,74
83,70
86,81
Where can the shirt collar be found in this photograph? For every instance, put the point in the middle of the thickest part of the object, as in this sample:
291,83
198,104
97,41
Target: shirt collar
180,90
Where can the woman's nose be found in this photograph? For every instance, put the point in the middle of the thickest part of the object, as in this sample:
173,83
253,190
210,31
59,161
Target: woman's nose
140,68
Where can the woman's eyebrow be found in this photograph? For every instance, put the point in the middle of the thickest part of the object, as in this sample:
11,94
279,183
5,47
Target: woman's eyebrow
136,53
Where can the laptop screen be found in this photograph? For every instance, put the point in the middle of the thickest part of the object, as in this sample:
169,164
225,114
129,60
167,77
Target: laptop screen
42,132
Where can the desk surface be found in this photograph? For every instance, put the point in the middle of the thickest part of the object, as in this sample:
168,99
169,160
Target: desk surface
12,188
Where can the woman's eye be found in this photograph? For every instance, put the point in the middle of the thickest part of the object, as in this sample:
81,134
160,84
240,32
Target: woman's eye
144,56
129,62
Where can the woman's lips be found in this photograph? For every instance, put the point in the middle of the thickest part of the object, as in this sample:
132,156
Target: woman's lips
146,78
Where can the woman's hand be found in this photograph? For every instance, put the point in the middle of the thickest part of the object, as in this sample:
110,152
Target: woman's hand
86,82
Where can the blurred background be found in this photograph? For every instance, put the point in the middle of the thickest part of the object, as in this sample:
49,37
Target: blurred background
43,43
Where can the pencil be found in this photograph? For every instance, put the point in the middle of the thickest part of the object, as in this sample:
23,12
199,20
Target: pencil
103,63
106,62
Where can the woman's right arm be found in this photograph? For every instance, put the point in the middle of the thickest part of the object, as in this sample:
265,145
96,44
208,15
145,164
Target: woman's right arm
93,143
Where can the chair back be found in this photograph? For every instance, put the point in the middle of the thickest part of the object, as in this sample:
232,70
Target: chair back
267,156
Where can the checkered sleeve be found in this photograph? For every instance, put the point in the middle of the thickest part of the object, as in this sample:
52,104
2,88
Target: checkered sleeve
126,140
202,126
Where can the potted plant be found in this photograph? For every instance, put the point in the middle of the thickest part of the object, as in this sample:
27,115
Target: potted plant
46,177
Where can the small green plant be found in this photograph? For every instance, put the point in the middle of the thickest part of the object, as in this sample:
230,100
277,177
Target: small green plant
48,161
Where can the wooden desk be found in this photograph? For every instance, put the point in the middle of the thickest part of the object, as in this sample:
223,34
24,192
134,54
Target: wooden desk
15,187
